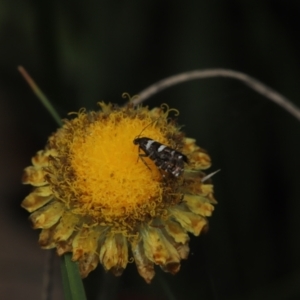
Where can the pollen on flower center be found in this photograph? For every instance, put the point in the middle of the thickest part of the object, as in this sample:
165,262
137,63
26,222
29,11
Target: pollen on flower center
110,177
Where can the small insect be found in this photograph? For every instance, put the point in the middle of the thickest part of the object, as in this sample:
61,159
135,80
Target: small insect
164,157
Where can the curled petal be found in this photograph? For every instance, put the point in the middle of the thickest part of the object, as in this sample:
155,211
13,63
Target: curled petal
88,263
207,191
156,112
65,227
159,250
199,160
34,176
183,250
171,267
181,247
33,201
194,186
43,191
47,216
176,232
144,266
106,108
189,221
41,159
45,238
85,245
64,247
190,145
86,241
199,205
114,253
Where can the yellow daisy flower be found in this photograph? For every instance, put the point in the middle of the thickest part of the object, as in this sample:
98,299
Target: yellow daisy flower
98,196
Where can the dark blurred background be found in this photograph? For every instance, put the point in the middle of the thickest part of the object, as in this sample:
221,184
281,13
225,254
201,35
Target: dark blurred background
84,52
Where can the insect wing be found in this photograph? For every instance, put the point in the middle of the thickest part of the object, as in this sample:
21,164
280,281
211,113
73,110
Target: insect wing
164,157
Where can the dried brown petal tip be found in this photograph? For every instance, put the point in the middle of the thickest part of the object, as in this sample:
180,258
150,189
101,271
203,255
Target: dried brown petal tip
144,265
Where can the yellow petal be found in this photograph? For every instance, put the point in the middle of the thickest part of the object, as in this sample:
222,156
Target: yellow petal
199,161
43,191
176,231
144,266
41,159
34,176
65,227
114,253
86,241
85,245
199,205
190,145
88,263
33,201
207,190
159,250
194,186
183,250
64,247
45,239
189,221
47,216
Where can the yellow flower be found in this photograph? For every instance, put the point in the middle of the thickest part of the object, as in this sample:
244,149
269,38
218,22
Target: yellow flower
97,197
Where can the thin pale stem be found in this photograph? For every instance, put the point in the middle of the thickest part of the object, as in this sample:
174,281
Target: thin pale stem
40,95
201,74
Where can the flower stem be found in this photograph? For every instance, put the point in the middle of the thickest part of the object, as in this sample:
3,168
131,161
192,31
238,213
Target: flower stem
40,95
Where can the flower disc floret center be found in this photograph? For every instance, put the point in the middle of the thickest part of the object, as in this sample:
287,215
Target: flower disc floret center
110,177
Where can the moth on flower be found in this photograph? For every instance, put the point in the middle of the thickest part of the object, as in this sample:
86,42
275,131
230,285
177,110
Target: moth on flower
164,157
93,198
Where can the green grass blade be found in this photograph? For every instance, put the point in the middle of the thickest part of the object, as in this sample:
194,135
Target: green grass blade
72,283
40,95
73,286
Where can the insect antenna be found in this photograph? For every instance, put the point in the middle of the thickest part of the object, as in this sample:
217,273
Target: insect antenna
145,128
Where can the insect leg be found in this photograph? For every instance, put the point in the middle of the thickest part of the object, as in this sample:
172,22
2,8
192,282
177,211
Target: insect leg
141,156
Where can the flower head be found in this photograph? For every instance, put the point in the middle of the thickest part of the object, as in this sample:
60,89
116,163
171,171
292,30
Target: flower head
98,195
